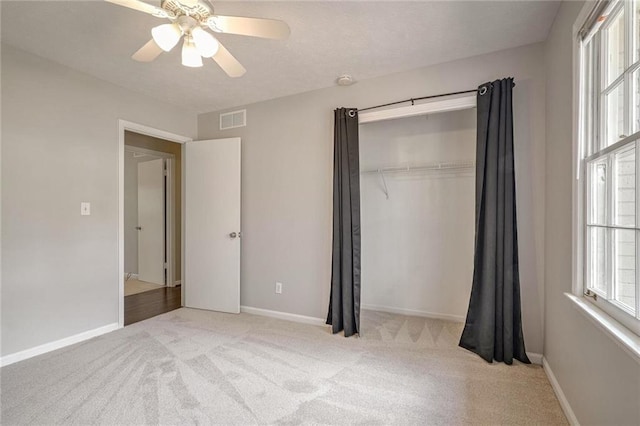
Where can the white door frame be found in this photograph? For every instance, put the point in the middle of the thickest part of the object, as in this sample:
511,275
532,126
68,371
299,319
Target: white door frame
169,204
156,133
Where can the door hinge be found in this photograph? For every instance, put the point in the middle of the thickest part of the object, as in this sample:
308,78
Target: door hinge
166,265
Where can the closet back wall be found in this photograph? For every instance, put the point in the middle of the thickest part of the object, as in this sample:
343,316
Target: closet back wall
417,246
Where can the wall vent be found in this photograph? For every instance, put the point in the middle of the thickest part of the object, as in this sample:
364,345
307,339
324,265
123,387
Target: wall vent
231,120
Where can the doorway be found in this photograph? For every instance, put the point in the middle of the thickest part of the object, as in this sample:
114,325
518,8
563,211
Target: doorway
208,232
152,226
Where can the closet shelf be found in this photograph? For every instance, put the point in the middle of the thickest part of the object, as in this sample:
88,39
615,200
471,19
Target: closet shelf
444,166
451,166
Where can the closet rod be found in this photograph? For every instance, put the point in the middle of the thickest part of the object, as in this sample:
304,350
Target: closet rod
462,165
412,100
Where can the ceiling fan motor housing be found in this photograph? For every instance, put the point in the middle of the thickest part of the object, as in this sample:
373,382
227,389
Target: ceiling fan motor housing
194,8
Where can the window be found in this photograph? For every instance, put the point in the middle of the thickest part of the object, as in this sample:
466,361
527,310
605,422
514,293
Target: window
610,161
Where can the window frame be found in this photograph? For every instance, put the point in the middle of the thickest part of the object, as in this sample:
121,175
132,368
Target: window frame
590,148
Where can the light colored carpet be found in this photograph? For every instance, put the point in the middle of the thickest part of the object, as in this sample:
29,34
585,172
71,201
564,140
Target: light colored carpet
132,286
197,367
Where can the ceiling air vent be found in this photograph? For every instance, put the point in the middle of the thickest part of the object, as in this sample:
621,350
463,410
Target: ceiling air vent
231,120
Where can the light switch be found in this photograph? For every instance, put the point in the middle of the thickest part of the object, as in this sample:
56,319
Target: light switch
85,208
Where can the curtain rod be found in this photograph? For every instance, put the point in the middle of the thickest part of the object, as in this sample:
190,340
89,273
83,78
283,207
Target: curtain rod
412,100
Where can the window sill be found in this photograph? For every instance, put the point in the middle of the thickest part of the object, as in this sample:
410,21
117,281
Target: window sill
624,337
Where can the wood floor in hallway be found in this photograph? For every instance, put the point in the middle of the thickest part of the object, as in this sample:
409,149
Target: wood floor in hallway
141,306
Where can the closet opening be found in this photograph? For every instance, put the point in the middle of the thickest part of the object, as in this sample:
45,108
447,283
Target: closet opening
417,194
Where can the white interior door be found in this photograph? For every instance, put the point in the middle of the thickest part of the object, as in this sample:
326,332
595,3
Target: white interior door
212,225
151,221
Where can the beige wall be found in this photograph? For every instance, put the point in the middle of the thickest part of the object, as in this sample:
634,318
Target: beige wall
601,382
287,162
160,145
60,147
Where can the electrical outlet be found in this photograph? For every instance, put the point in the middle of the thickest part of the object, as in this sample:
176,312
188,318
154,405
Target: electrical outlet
85,208
278,288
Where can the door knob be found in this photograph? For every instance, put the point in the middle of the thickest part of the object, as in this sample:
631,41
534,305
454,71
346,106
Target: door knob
139,228
233,235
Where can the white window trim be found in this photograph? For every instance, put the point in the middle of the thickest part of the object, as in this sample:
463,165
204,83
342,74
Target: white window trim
623,336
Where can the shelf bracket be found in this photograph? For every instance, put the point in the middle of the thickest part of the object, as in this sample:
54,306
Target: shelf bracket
384,184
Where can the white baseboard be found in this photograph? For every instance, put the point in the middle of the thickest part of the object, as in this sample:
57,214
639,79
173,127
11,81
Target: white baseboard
133,276
564,403
282,315
52,346
535,358
415,313
178,282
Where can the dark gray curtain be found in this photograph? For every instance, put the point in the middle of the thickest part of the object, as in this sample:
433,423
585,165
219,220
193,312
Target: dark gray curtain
344,303
493,328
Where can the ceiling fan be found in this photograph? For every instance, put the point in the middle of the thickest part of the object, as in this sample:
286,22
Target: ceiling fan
189,18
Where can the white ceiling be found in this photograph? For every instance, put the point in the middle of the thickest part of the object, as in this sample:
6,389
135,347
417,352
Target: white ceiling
365,39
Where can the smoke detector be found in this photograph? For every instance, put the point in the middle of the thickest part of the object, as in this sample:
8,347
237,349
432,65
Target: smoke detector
345,80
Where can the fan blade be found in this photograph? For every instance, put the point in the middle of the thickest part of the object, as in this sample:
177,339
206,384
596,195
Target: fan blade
141,7
148,52
255,27
228,63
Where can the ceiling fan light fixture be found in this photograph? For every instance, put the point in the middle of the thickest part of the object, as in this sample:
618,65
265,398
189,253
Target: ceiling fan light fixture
190,19
190,55
166,36
206,44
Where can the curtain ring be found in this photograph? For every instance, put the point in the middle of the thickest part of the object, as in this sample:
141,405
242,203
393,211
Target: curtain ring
352,113
483,90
